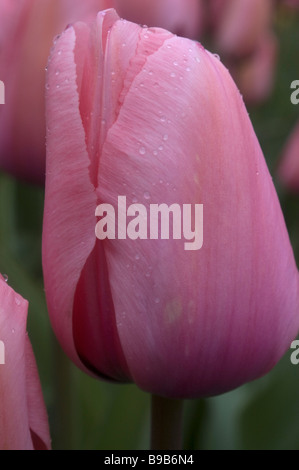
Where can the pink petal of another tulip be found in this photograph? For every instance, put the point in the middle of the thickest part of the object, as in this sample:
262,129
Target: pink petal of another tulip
23,418
255,75
289,168
159,120
27,30
242,25
182,17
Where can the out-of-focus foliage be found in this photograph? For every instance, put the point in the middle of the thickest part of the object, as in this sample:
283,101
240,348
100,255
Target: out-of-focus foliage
88,414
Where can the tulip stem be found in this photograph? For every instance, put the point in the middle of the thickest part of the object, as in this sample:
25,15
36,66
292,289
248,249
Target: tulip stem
167,423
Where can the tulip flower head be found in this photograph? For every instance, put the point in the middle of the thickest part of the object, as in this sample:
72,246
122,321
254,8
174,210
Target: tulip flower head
23,417
143,114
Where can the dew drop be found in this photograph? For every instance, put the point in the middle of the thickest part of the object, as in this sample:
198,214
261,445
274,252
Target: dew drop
57,72
163,119
134,200
17,301
161,148
157,300
165,137
217,56
5,277
13,331
47,86
155,153
142,151
59,52
147,195
175,63
188,69
137,257
173,75
197,60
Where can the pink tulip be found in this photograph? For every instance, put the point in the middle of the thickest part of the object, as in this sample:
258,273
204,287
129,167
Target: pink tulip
27,29
241,26
23,417
141,113
289,169
255,75
182,17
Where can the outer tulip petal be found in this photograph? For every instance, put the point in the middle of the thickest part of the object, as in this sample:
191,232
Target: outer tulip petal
23,419
69,219
193,317
289,169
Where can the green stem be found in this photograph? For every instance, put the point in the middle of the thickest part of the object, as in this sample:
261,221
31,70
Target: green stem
167,423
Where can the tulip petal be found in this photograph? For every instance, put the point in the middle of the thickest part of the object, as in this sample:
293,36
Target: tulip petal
22,410
193,317
69,220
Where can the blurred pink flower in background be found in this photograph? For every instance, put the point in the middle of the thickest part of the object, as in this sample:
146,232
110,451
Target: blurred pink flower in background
181,17
289,168
141,113
27,29
23,416
255,75
242,24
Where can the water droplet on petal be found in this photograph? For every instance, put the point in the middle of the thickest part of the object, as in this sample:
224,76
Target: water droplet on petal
142,151
173,75
165,137
13,331
17,301
217,56
175,63
137,257
157,300
5,277
161,148
147,195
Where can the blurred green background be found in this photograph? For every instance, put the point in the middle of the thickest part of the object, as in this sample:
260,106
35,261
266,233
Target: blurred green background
88,414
